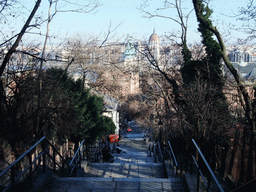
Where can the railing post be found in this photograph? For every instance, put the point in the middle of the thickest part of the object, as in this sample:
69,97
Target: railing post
75,170
186,163
54,160
30,168
69,170
44,148
86,150
176,170
63,164
209,182
12,174
198,180
191,167
80,158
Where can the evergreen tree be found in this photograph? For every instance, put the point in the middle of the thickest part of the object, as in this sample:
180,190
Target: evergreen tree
89,124
213,51
205,72
244,95
208,69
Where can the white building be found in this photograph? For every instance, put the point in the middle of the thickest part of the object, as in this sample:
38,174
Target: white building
114,115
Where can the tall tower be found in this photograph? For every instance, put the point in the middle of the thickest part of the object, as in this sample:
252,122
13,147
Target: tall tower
154,45
130,80
130,56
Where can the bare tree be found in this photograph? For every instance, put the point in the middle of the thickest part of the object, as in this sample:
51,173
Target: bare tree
181,19
247,16
245,98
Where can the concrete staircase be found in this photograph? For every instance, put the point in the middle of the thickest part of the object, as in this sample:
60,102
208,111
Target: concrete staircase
133,170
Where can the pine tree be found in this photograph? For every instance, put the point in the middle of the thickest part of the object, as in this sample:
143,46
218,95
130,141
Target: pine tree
205,72
89,123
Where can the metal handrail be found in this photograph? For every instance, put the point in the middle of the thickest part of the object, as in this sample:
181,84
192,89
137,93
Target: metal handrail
94,156
12,177
77,156
154,150
21,157
184,159
157,151
245,186
200,172
56,163
64,161
172,154
208,167
160,151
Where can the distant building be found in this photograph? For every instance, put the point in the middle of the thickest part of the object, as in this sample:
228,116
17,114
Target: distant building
114,115
154,45
239,57
253,57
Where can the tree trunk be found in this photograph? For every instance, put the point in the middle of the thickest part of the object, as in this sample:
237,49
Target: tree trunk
241,87
16,43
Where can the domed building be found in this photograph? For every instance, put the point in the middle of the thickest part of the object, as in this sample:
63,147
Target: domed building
154,37
154,45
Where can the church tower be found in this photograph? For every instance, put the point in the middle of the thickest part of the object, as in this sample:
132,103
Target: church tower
130,56
154,45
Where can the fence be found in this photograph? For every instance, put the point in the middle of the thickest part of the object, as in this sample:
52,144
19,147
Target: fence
194,163
41,155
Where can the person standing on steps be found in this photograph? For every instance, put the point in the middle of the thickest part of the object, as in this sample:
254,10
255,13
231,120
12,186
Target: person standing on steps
107,157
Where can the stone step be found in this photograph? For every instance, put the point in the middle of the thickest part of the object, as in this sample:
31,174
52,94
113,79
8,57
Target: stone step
97,184
124,170
122,163
133,159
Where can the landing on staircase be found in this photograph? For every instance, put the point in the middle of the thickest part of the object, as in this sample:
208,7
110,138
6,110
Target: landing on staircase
92,184
124,170
132,171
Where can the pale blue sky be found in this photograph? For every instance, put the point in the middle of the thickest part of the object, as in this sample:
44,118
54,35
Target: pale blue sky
133,23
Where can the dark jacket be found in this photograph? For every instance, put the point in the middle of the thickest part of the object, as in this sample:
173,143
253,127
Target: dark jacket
106,155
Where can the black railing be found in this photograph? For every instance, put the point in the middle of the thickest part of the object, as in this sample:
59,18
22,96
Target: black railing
158,155
41,155
185,165
173,160
249,186
155,149
76,160
93,152
211,176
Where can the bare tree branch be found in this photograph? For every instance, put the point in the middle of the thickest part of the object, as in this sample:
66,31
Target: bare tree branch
16,43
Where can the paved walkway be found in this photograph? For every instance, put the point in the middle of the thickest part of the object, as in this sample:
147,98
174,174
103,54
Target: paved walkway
133,171
124,170
113,185
135,162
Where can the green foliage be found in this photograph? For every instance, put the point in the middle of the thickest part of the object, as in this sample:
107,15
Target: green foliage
186,52
204,102
107,125
213,49
191,71
209,68
66,109
89,123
